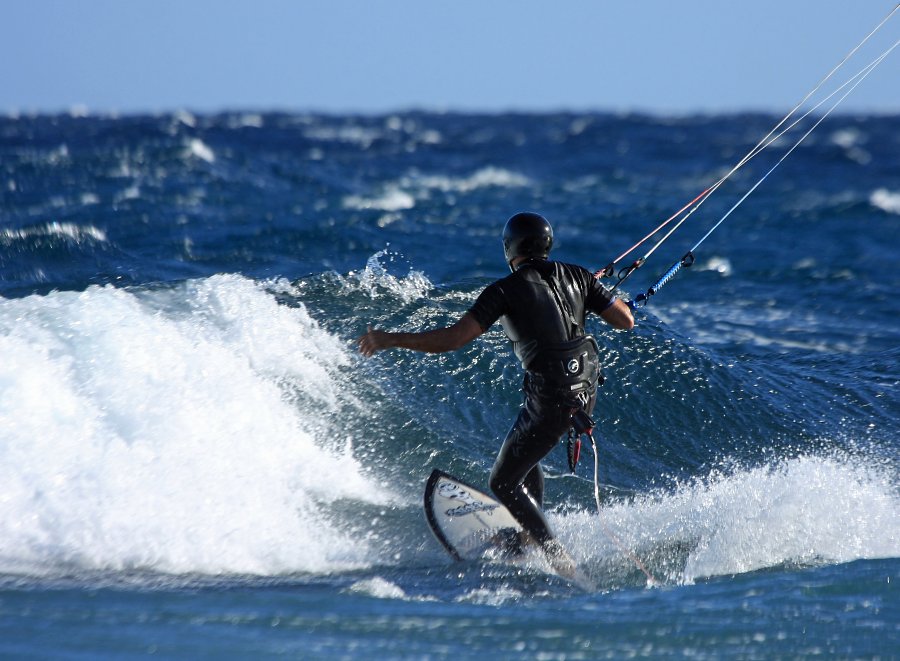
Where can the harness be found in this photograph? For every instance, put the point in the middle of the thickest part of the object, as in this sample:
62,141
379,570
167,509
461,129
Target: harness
565,368
564,371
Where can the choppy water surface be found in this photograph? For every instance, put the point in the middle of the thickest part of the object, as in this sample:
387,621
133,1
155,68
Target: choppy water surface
193,460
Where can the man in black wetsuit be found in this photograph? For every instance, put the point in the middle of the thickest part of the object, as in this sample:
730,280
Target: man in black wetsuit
542,307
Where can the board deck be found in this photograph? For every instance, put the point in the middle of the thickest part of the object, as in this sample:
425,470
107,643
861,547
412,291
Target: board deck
466,521
473,526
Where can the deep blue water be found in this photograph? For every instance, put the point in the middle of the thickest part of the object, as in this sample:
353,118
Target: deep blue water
195,462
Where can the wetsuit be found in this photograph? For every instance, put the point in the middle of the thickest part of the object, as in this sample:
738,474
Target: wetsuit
542,307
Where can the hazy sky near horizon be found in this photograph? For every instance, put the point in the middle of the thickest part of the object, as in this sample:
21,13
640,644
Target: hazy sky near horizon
675,56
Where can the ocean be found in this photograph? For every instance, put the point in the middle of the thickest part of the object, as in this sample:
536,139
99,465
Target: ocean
195,462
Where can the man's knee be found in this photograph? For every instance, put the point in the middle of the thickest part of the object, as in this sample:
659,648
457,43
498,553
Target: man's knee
499,485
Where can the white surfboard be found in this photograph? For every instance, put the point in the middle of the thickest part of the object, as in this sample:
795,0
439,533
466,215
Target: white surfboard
473,526
467,522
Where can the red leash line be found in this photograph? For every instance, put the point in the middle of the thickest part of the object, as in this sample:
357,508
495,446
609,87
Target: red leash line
607,270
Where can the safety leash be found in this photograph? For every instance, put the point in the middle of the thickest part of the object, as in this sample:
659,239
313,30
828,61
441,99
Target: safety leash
582,425
651,581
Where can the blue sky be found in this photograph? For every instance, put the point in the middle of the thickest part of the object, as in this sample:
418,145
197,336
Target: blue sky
671,56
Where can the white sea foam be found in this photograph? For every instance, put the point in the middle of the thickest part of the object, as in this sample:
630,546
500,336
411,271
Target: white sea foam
58,155
721,265
491,597
379,588
405,193
185,117
178,430
885,200
803,510
413,129
68,230
848,137
199,149
246,120
483,178
376,278
392,199
358,135
130,193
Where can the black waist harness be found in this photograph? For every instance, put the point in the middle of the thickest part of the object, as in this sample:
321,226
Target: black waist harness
566,369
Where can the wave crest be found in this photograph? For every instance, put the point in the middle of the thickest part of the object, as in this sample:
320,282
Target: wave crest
182,430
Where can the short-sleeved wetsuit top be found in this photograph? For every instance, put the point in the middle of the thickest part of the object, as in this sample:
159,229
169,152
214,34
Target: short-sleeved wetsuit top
541,305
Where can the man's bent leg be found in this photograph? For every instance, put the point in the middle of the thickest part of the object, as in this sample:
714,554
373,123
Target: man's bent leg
534,484
535,432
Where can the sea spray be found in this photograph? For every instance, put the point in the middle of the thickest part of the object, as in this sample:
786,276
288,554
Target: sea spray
809,510
160,430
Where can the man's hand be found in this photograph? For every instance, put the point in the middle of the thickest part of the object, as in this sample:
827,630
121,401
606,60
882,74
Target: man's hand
372,341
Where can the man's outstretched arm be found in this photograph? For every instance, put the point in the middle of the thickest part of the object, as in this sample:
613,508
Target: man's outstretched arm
434,341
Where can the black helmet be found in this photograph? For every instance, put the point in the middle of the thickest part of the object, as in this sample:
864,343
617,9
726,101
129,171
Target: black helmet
527,235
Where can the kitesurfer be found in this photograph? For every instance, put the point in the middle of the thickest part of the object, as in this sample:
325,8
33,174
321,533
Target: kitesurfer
542,306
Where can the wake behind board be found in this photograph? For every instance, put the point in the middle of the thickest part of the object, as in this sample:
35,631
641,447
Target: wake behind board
473,526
